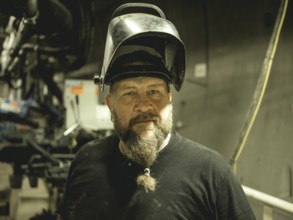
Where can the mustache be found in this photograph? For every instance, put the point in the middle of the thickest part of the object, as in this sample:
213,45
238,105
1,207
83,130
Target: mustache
144,117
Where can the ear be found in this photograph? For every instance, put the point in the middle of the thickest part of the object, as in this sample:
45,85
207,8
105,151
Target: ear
109,102
170,97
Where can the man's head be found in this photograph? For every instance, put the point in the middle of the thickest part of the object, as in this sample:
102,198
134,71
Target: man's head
139,67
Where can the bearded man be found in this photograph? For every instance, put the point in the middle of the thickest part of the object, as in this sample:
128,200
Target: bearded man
146,171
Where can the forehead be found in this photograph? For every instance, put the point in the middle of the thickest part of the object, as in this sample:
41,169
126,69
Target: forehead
139,82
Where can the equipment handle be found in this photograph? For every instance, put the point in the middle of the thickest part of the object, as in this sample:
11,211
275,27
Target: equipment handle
137,8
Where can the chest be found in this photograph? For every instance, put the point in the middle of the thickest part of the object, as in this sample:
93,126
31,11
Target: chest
177,195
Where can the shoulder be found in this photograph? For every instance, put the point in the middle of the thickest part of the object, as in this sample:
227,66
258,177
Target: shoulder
93,158
193,149
97,149
198,158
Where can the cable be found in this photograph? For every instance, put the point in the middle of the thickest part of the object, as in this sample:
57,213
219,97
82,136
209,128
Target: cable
261,84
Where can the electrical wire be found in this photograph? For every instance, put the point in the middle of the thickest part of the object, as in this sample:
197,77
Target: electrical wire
261,84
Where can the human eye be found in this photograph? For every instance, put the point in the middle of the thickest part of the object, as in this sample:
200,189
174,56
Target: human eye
129,93
154,91
127,96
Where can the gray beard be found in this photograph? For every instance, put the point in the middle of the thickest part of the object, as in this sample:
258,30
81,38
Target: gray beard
143,151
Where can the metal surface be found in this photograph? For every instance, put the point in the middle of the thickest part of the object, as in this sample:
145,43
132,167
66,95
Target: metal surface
269,200
146,30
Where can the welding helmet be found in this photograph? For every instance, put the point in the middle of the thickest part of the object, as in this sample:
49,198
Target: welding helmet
142,42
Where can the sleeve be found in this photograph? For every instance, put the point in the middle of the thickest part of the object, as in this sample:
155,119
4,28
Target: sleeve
231,200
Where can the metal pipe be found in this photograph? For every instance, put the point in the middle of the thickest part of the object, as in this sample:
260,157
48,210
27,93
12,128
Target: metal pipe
269,200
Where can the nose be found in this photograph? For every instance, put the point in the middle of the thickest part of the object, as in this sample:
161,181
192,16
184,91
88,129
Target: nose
143,103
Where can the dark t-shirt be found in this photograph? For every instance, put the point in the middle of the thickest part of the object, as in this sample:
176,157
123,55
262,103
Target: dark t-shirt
194,183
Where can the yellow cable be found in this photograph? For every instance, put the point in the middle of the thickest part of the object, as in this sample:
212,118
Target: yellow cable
270,61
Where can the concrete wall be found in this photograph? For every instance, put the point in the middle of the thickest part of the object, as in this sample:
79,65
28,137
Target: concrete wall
231,38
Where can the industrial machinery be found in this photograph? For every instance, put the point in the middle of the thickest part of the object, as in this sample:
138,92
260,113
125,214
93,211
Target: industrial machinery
41,128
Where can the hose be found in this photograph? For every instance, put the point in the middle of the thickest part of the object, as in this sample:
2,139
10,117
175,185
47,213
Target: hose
261,84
